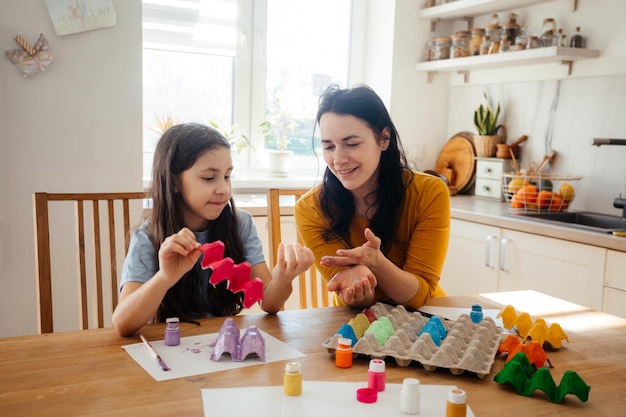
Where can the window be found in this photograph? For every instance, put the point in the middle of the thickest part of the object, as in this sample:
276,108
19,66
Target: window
239,63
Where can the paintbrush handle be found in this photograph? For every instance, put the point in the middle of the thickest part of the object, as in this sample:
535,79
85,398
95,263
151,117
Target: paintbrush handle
154,353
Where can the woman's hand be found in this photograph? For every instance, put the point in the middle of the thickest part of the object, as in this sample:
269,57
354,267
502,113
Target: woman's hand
367,254
178,254
291,261
355,285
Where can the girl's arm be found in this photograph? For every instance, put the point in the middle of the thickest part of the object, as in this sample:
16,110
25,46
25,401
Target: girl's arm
291,261
138,301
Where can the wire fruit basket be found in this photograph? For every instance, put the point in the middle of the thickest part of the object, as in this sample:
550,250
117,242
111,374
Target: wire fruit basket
539,192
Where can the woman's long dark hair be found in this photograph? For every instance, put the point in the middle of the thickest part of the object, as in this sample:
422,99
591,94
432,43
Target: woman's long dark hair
337,202
177,151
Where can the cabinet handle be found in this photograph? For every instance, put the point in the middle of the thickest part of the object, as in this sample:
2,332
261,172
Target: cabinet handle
503,244
489,241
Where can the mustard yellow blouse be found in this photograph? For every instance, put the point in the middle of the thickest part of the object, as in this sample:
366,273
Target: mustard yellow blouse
423,235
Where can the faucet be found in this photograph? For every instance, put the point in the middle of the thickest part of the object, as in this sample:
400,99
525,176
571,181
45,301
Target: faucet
620,202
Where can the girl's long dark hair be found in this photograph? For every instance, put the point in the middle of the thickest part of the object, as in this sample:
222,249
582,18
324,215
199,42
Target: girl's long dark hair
177,151
338,203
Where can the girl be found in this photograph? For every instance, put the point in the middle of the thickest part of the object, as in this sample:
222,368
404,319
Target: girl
387,225
192,204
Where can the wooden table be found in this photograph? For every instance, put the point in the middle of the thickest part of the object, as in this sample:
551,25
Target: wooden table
87,373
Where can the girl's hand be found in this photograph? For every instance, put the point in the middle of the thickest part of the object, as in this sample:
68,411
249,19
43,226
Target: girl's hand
367,254
178,254
355,285
291,260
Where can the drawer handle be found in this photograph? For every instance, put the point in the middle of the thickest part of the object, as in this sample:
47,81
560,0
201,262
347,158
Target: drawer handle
486,188
487,170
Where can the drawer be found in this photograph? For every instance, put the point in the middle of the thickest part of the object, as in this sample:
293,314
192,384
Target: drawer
615,274
492,167
489,188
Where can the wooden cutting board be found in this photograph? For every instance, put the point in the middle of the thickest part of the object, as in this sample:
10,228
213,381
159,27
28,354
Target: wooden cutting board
457,162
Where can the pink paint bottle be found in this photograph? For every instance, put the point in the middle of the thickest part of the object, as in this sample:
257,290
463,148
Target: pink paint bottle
376,375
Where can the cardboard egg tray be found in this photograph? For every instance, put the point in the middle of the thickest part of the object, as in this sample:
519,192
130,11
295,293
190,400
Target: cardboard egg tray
467,346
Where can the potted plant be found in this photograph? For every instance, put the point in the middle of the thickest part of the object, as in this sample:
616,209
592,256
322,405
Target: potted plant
238,141
486,123
276,130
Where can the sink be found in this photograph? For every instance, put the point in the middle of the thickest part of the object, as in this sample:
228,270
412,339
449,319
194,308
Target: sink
596,222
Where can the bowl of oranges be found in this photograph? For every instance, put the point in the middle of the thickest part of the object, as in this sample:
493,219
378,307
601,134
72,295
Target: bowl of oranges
539,192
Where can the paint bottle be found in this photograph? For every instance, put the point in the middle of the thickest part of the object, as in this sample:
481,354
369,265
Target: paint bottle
376,375
477,313
410,396
172,332
456,405
292,381
343,354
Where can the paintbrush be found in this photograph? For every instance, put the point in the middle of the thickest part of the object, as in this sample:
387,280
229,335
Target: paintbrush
154,353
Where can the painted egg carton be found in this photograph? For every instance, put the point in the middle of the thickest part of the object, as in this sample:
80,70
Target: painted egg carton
467,347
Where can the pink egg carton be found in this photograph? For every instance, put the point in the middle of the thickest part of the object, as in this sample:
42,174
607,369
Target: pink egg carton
467,346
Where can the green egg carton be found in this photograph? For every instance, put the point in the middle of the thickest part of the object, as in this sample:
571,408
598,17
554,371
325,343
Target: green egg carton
521,374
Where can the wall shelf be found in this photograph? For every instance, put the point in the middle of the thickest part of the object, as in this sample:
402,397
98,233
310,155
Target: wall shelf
467,9
551,54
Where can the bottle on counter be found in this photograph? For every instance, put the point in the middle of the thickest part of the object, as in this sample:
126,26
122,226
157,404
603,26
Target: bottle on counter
292,380
376,375
577,40
456,405
172,332
410,396
343,354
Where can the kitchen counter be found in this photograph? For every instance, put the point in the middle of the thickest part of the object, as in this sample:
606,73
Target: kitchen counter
474,209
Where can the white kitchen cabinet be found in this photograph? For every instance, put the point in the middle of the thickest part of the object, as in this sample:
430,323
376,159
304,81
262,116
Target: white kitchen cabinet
615,284
483,258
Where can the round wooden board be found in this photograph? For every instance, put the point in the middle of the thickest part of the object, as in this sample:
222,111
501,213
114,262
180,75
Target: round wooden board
457,162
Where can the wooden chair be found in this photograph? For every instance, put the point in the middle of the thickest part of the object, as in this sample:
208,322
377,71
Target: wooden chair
88,255
312,287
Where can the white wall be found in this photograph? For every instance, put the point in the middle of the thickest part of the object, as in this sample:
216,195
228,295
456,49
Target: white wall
76,127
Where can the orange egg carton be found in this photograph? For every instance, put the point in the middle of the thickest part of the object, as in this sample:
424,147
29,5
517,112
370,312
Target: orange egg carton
537,331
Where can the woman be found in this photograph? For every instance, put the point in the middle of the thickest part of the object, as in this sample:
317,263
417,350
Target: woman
378,230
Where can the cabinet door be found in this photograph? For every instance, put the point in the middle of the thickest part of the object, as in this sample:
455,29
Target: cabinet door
471,265
568,270
615,284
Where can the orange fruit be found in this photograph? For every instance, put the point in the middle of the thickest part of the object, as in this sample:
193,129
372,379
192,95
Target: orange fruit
557,203
527,194
517,202
544,199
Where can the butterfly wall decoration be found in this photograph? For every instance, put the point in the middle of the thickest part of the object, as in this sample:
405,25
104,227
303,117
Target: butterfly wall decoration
31,59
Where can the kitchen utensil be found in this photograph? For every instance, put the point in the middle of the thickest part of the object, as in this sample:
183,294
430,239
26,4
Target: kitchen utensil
502,149
546,159
457,162
514,161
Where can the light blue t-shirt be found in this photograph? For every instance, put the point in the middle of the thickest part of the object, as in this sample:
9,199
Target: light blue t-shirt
140,265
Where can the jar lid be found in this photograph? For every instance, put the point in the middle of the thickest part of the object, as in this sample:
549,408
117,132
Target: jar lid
344,342
510,25
293,367
411,384
377,365
172,320
459,36
478,30
457,396
367,395
493,27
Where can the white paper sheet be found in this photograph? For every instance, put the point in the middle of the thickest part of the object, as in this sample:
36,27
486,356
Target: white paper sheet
321,398
192,356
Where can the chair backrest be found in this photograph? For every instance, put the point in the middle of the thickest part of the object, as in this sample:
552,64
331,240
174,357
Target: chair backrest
93,234
311,287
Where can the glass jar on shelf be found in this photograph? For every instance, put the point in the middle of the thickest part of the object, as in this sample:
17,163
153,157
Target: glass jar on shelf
476,40
484,46
460,45
521,40
493,31
533,42
505,45
441,48
494,47
548,32
510,32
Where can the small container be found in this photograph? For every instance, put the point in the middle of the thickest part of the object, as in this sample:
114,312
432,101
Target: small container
494,32
428,51
577,40
494,48
548,32
376,375
410,396
460,45
533,42
456,405
475,41
484,46
292,381
505,45
477,313
442,48
343,354
510,32
172,332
